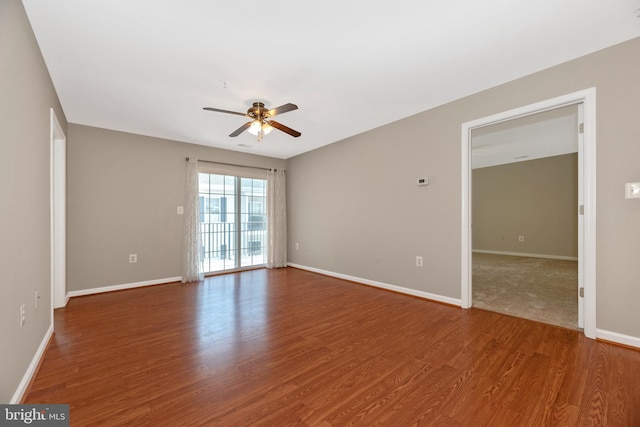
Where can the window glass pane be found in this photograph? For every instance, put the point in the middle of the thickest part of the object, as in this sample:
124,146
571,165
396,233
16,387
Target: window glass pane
254,231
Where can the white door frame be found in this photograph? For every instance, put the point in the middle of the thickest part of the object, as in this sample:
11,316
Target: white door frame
581,187
587,239
58,143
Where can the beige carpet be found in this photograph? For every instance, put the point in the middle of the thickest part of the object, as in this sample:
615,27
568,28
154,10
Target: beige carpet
539,289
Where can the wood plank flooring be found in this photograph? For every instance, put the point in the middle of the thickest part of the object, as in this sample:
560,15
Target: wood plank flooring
290,347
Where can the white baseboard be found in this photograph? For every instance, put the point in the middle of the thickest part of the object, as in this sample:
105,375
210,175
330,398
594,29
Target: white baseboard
66,301
560,257
618,338
33,366
399,289
122,287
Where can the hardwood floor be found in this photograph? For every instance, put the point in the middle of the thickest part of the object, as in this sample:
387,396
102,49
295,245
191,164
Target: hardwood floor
290,347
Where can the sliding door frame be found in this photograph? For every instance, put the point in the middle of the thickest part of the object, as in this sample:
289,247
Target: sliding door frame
238,174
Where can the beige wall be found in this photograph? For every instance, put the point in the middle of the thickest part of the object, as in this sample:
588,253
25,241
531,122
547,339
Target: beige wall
122,194
26,96
354,207
537,199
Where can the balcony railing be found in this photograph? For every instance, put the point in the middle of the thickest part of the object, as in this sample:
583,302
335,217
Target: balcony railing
220,244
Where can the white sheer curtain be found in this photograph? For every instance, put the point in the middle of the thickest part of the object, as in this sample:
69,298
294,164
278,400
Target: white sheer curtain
277,224
191,262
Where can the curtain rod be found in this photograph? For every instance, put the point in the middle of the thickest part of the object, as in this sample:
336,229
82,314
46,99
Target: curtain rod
233,164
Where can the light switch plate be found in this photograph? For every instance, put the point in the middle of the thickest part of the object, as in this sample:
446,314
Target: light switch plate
180,210
632,190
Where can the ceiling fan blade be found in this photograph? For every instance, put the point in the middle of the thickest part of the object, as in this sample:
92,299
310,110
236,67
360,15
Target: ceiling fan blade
284,128
282,109
241,129
224,111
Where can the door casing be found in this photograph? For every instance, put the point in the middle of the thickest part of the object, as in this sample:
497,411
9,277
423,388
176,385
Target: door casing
587,158
58,142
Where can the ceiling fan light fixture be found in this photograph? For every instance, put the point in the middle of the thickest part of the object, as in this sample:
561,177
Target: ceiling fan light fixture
266,128
255,127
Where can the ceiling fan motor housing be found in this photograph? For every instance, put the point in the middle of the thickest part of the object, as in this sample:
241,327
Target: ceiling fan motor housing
257,111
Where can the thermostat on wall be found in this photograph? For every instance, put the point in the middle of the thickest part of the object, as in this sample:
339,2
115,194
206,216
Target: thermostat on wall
423,181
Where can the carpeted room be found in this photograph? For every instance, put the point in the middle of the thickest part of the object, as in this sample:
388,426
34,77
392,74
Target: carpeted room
525,217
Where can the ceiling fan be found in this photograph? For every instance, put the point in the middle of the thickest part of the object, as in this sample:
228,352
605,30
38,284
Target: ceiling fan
261,123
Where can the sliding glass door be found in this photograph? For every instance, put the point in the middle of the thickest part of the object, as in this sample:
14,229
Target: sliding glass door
233,222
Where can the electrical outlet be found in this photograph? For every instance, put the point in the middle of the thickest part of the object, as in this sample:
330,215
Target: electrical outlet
133,258
419,261
520,238
23,315
632,190
37,298
297,246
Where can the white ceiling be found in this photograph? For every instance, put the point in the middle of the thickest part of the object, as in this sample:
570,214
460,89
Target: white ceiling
149,66
549,133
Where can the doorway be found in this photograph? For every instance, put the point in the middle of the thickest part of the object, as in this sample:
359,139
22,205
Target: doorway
586,207
58,150
525,222
233,222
